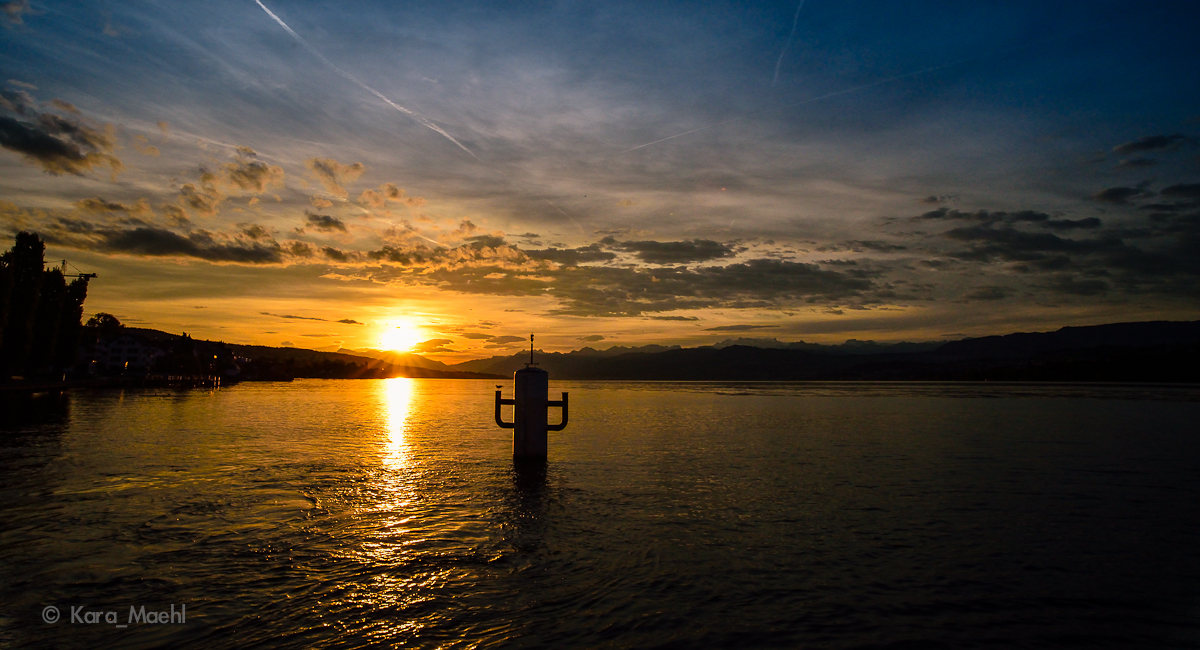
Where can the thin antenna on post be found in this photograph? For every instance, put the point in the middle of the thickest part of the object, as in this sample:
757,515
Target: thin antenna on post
531,363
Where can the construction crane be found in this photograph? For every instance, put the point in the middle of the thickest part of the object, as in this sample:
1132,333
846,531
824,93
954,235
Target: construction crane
63,270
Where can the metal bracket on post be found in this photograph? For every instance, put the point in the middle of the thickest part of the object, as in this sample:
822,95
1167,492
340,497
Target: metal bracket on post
504,402
560,403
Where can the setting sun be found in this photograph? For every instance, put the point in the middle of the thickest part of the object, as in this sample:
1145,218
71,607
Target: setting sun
399,338
819,322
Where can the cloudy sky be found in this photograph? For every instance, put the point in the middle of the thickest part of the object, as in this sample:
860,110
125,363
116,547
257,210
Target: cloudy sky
328,175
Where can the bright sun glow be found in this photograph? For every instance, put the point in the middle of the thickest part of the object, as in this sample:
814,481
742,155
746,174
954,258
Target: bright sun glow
399,339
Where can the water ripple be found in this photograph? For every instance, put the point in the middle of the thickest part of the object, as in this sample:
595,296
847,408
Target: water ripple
360,513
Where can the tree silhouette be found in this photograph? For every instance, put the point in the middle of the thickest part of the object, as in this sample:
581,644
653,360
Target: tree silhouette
24,262
104,321
70,325
182,360
39,312
6,284
46,322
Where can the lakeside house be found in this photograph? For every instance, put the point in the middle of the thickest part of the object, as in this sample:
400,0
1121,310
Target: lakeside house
127,352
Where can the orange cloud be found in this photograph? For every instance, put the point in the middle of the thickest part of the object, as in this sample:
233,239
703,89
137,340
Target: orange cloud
333,174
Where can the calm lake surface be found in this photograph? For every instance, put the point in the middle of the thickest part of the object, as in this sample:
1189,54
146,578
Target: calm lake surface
670,515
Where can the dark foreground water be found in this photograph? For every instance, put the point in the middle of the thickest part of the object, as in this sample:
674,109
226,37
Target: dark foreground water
358,513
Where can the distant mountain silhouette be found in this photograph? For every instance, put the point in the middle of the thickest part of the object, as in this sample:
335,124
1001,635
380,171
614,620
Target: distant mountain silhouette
556,363
1151,351
1020,345
851,346
1157,351
583,362
409,359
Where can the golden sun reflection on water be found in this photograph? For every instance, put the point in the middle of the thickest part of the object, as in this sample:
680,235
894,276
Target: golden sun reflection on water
397,403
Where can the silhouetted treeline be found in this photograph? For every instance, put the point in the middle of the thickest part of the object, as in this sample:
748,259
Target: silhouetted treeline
284,367
40,313
129,353
327,369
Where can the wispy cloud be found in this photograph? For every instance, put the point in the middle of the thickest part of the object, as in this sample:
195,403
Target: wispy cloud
57,144
739,328
791,36
421,119
291,316
811,100
13,11
854,89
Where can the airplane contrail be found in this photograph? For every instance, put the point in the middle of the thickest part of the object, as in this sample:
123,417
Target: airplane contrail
421,119
795,20
680,135
410,113
564,213
432,241
847,91
880,82
802,102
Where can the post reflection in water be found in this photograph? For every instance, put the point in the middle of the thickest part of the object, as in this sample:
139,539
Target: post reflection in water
529,477
397,403
524,517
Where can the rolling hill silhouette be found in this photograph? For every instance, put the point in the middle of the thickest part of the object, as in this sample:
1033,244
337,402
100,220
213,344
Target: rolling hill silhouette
1153,351
1157,351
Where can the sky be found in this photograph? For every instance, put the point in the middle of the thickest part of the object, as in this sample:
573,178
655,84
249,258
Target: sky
454,176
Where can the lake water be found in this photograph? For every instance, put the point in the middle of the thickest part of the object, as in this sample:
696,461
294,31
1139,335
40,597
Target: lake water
670,515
